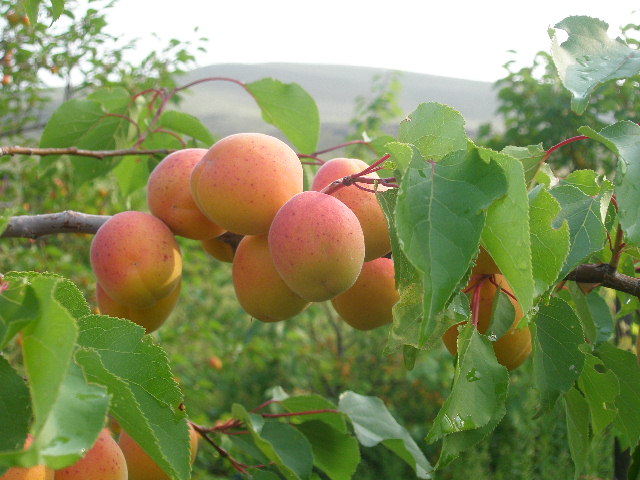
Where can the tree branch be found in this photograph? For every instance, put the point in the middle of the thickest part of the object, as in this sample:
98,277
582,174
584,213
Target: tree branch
43,152
607,276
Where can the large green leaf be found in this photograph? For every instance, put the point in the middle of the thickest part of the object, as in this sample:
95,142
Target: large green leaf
325,409
577,412
291,109
623,138
434,129
586,230
440,214
625,367
549,241
590,57
557,360
479,390
373,424
532,158
15,407
146,400
600,387
19,305
186,124
594,313
506,234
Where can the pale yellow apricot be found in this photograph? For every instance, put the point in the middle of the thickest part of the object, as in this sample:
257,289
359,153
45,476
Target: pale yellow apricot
136,259
244,179
169,196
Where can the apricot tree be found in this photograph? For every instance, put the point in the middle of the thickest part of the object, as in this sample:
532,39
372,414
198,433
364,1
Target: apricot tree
485,245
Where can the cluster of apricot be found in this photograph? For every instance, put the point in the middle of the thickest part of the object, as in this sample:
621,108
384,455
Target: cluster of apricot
514,346
108,459
296,247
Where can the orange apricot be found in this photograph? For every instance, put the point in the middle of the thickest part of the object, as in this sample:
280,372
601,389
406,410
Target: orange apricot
39,472
218,249
104,461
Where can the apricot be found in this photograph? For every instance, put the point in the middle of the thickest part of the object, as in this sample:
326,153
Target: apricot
150,318
368,303
136,259
140,464
104,461
244,179
259,288
514,347
317,246
169,196
484,264
218,249
364,204
39,472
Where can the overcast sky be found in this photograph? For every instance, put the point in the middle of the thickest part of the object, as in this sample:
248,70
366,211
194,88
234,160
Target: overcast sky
464,39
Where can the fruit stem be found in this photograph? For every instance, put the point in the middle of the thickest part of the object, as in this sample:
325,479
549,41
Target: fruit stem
562,144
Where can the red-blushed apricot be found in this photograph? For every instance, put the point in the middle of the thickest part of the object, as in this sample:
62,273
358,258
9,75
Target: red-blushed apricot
367,304
244,179
104,461
39,472
484,264
136,259
140,464
514,347
169,196
364,204
259,288
218,249
317,246
150,318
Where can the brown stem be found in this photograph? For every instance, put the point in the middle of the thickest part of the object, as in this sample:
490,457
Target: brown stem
606,275
43,152
34,226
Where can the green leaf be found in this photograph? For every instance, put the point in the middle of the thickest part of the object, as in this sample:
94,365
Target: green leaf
31,8
146,400
57,8
112,99
502,316
440,214
590,57
373,424
585,180
594,313
401,154
186,124
577,412
623,138
282,444
132,173
506,233
625,366
290,108
434,129
15,408
557,360
478,376
549,241
531,157
19,305
600,387
85,125
308,403
586,230
335,453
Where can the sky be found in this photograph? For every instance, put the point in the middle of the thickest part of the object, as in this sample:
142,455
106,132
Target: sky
463,39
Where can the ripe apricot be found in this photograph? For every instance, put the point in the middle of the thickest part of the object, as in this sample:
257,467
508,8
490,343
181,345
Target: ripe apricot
363,203
484,264
39,472
104,461
367,304
218,249
169,196
150,318
244,179
514,347
317,246
140,464
136,259
259,288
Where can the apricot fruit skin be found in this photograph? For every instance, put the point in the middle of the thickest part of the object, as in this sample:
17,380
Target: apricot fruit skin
364,204
104,461
39,472
514,347
136,259
218,249
484,264
317,246
169,196
259,288
244,179
368,303
150,318
139,463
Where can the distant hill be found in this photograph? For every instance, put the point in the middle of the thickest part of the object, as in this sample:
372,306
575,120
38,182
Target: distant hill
225,108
